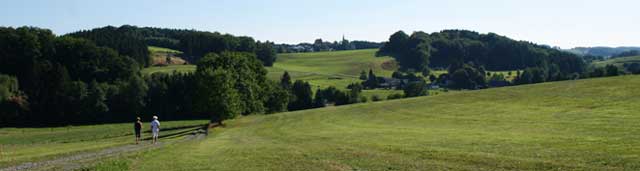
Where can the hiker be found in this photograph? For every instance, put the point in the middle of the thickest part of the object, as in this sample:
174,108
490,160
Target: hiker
155,129
137,126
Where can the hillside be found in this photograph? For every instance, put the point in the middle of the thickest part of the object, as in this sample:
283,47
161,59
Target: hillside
571,125
617,61
338,68
600,51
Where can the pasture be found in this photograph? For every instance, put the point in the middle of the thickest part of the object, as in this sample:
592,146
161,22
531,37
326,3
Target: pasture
18,145
570,125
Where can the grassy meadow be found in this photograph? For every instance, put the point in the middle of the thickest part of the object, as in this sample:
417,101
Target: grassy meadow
320,69
18,145
617,61
336,68
571,125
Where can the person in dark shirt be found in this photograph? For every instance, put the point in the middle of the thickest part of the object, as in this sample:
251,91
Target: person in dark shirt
137,126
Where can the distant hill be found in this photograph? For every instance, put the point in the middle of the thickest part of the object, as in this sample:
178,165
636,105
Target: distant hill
600,51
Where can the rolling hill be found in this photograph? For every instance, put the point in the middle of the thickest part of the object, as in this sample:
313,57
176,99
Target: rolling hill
337,68
617,61
587,124
320,69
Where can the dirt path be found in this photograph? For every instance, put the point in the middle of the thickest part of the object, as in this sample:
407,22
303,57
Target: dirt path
77,161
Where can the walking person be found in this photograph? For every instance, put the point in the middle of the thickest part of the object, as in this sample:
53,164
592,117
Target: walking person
155,129
137,126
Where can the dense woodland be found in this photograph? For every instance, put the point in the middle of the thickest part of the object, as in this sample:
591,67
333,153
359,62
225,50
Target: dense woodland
133,41
84,78
467,56
93,77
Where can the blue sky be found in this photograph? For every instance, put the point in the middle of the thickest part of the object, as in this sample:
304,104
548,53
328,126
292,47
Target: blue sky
566,23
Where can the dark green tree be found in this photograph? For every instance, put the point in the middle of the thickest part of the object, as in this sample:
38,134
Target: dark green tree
612,70
266,53
303,96
278,98
249,74
285,81
363,75
217,95
415,89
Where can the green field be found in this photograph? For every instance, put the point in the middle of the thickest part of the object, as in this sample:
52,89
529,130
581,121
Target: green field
154,49
337,68
617,61
19,145
571,125
320,69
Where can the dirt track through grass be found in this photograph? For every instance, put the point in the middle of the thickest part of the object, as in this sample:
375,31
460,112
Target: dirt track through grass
80,160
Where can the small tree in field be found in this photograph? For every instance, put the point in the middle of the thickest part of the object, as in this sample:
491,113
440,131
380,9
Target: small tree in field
363,75
216,95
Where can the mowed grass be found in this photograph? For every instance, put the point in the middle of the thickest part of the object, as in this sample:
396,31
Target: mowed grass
18,145
337,63
617,61
337,68
571,125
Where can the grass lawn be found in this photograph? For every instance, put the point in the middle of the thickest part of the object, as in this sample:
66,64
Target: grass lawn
19,145
571,125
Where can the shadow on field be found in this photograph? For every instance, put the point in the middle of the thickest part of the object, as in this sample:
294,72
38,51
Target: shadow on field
190,130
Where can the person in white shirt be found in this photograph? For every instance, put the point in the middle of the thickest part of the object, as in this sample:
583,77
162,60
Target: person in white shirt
155,129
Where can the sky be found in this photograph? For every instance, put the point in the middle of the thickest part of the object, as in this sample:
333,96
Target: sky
563,23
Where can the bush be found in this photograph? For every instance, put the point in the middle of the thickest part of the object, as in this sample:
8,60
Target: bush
363,99
376,98
395,96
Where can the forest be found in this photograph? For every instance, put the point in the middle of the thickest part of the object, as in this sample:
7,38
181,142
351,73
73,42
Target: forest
93,77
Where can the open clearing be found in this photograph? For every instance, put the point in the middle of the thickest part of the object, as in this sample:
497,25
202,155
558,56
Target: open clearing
571,125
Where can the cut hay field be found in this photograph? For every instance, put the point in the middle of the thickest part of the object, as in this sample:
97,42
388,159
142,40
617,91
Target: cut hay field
571,125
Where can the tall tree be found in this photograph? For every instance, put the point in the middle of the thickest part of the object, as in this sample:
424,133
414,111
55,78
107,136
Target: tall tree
266,53
249,74
285,81
216,95
303,96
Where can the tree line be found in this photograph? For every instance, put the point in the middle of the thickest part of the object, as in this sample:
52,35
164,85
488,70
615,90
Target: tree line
319,45
83,78
49,80
132,41
467,56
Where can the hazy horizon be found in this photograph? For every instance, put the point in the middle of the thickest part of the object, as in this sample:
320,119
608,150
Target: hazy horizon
566,24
